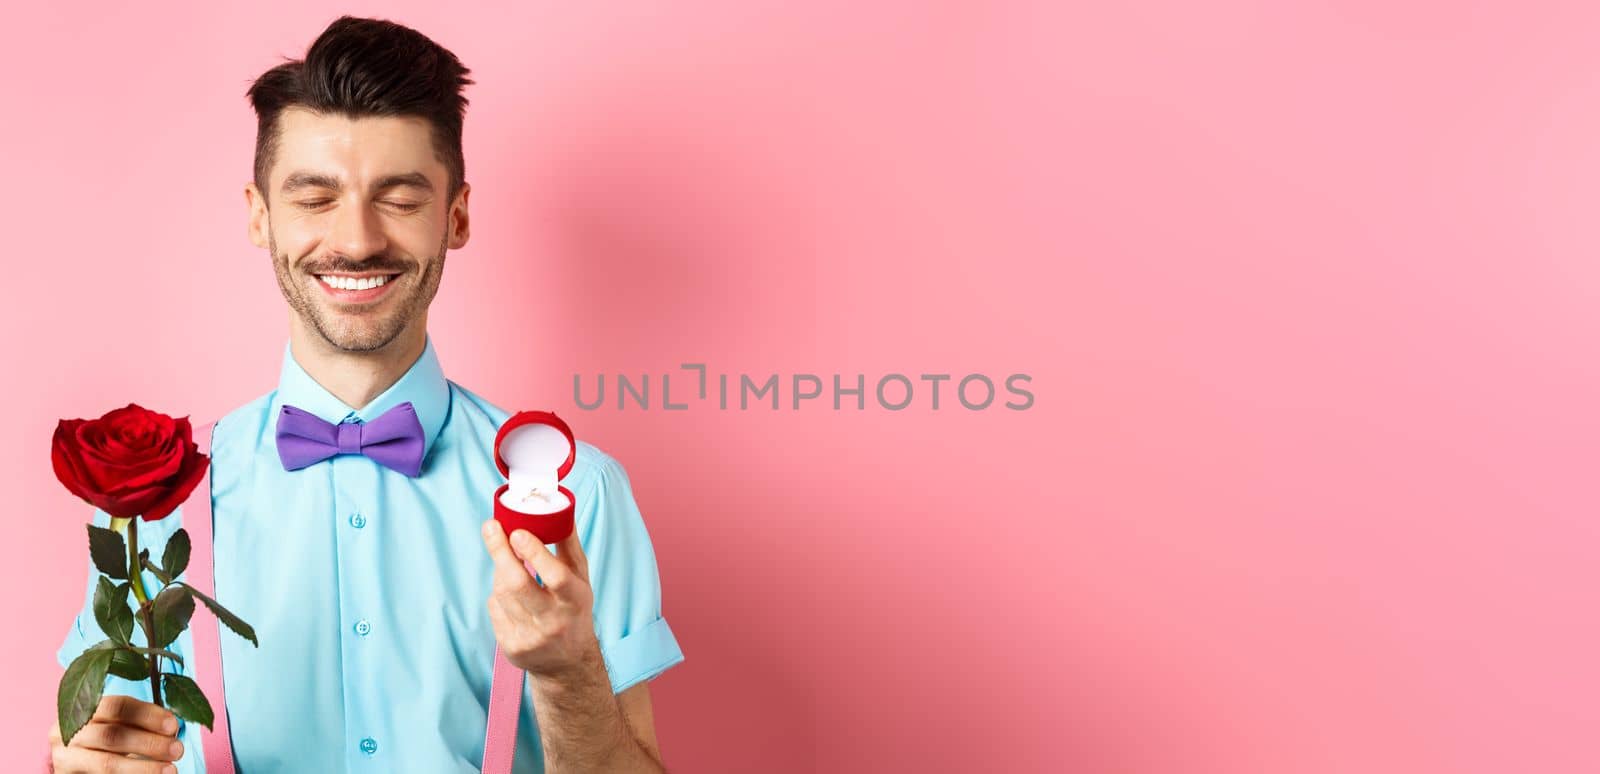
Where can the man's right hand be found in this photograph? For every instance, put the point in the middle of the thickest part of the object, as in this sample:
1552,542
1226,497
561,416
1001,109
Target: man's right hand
121,726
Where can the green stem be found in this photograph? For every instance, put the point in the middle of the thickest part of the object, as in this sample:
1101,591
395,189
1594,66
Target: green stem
146,614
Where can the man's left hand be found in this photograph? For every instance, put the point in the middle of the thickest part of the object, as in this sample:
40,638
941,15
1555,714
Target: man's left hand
545,629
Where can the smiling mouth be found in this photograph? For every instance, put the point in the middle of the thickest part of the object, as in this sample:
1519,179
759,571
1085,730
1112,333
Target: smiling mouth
356,288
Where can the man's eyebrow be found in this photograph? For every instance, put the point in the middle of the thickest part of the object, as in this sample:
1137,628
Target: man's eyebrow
298,180
413,179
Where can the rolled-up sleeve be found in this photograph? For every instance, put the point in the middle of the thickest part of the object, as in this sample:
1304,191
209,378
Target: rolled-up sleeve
78,638
635,640
85,631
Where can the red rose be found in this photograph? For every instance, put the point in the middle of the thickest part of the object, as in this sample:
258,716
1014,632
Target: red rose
130,462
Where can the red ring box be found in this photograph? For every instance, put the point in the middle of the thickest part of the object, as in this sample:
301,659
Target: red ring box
534,451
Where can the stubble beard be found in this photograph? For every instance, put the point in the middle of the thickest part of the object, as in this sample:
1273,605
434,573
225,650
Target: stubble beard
366,333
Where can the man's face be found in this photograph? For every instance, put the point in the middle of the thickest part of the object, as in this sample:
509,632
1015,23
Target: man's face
358,224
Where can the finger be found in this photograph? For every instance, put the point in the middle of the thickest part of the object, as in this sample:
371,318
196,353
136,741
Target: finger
551,570
508,570
74,760
570,550
494,540
132,712
117,738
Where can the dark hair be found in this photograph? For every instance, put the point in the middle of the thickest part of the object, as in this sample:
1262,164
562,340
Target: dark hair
367,67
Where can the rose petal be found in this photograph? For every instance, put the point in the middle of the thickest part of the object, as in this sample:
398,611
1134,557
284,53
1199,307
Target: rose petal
64,462
179,490
130,462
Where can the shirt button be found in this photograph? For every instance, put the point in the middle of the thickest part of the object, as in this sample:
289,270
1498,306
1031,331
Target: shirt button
369,745
357,520
363,628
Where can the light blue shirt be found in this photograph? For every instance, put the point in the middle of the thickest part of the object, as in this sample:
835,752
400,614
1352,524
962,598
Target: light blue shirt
368,589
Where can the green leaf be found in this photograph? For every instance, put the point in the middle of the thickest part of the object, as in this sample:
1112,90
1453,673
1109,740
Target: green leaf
110,554
129,665
160,573
232,621
111,610
176,557
185,699
172,609
80,689
133,661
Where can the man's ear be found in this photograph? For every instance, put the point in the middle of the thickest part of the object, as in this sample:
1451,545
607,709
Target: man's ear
258,218
459,221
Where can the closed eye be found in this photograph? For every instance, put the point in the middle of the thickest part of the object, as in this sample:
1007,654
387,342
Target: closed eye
318,203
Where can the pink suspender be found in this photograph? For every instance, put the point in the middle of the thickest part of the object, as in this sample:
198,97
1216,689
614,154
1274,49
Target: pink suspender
505,704
206,631
505,692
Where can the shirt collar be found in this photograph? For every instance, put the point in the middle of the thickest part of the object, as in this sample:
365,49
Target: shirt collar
423,384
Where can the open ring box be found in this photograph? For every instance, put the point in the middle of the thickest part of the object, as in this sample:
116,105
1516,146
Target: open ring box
534,451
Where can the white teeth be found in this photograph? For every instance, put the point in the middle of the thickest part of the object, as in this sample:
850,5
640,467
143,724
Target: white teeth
352,283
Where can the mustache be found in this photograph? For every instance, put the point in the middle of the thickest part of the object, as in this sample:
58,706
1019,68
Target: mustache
358,267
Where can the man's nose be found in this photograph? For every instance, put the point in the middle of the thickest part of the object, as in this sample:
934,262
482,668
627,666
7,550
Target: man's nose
357,232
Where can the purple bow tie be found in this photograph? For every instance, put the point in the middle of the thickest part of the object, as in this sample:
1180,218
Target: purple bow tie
394,439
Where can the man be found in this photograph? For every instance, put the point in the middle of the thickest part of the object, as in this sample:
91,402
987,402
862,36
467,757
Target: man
379,597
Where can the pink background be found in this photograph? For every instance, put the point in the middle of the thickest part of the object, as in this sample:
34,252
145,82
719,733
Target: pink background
1309,297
